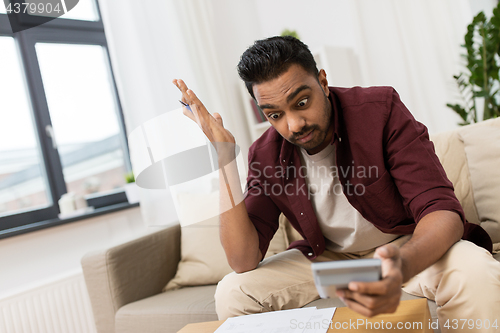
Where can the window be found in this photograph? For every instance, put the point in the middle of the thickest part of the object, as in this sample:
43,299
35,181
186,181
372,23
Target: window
85,10
61,128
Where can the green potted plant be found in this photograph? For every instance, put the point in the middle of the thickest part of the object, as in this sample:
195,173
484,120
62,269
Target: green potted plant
292,33
480,80
131,188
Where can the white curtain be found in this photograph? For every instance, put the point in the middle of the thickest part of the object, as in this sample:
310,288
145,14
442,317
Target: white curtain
150,44
415,47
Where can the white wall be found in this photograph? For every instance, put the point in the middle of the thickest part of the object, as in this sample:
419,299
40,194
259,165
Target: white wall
318,23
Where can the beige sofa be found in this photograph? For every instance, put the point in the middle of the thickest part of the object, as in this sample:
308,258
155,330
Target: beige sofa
125,282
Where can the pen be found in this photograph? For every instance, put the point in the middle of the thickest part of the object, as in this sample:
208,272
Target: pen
186,105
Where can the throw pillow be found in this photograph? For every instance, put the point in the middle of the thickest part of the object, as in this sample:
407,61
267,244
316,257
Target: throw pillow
482,147
450,151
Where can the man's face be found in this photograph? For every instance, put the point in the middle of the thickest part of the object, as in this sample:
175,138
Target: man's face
297,106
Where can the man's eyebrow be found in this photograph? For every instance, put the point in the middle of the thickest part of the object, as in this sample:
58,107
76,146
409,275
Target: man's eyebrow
288,99
267,106
296,92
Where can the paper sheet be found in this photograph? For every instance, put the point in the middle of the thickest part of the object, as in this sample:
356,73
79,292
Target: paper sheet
304,320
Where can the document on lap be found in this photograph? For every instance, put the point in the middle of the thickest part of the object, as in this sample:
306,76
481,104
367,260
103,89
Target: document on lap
304,320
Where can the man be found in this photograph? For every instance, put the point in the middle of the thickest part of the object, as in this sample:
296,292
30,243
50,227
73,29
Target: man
394,202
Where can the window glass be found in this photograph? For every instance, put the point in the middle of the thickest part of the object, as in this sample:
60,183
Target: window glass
84,10
22,177
83,112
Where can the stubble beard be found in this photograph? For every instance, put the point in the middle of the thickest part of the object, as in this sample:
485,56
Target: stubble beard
320,134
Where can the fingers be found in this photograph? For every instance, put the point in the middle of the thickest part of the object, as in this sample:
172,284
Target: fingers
180,84
391,261
189,97
193,99
371,288
371,298
218,118
185,99
212,126
199,111
367,292
371,310
387,251
188,114
383,298
183,89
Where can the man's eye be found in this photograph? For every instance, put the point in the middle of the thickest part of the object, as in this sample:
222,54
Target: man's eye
302,102
273,116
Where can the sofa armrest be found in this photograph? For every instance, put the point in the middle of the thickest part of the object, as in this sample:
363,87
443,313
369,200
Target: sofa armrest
129,272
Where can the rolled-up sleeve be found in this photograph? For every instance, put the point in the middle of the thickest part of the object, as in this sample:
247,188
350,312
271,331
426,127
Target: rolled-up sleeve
413,164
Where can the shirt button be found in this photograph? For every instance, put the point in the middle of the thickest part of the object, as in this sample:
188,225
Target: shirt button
283,161
301,213
317,245
340,139
310,254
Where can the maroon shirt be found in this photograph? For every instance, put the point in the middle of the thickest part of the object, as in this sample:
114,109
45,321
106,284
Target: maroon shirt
402,181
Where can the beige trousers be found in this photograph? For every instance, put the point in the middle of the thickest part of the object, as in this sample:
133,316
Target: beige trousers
464,283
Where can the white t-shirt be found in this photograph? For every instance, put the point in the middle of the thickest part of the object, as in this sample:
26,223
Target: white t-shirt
344,228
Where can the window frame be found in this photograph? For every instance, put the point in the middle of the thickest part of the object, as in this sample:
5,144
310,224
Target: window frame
60,31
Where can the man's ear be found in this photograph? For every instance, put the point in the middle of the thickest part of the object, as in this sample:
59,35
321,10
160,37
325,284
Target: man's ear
323,82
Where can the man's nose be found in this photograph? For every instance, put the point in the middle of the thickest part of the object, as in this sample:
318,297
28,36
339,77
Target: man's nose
295,123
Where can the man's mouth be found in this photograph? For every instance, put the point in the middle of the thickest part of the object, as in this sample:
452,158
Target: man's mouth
305,138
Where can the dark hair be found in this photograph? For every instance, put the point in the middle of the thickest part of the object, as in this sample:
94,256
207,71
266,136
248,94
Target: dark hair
268,58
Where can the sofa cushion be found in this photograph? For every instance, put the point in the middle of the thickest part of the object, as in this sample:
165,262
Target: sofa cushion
450,151
203,260
482,148
167,312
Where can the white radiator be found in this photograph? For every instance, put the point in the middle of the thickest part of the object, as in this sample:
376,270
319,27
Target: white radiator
59,307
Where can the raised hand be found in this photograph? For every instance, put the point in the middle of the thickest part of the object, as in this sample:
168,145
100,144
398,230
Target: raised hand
211,125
